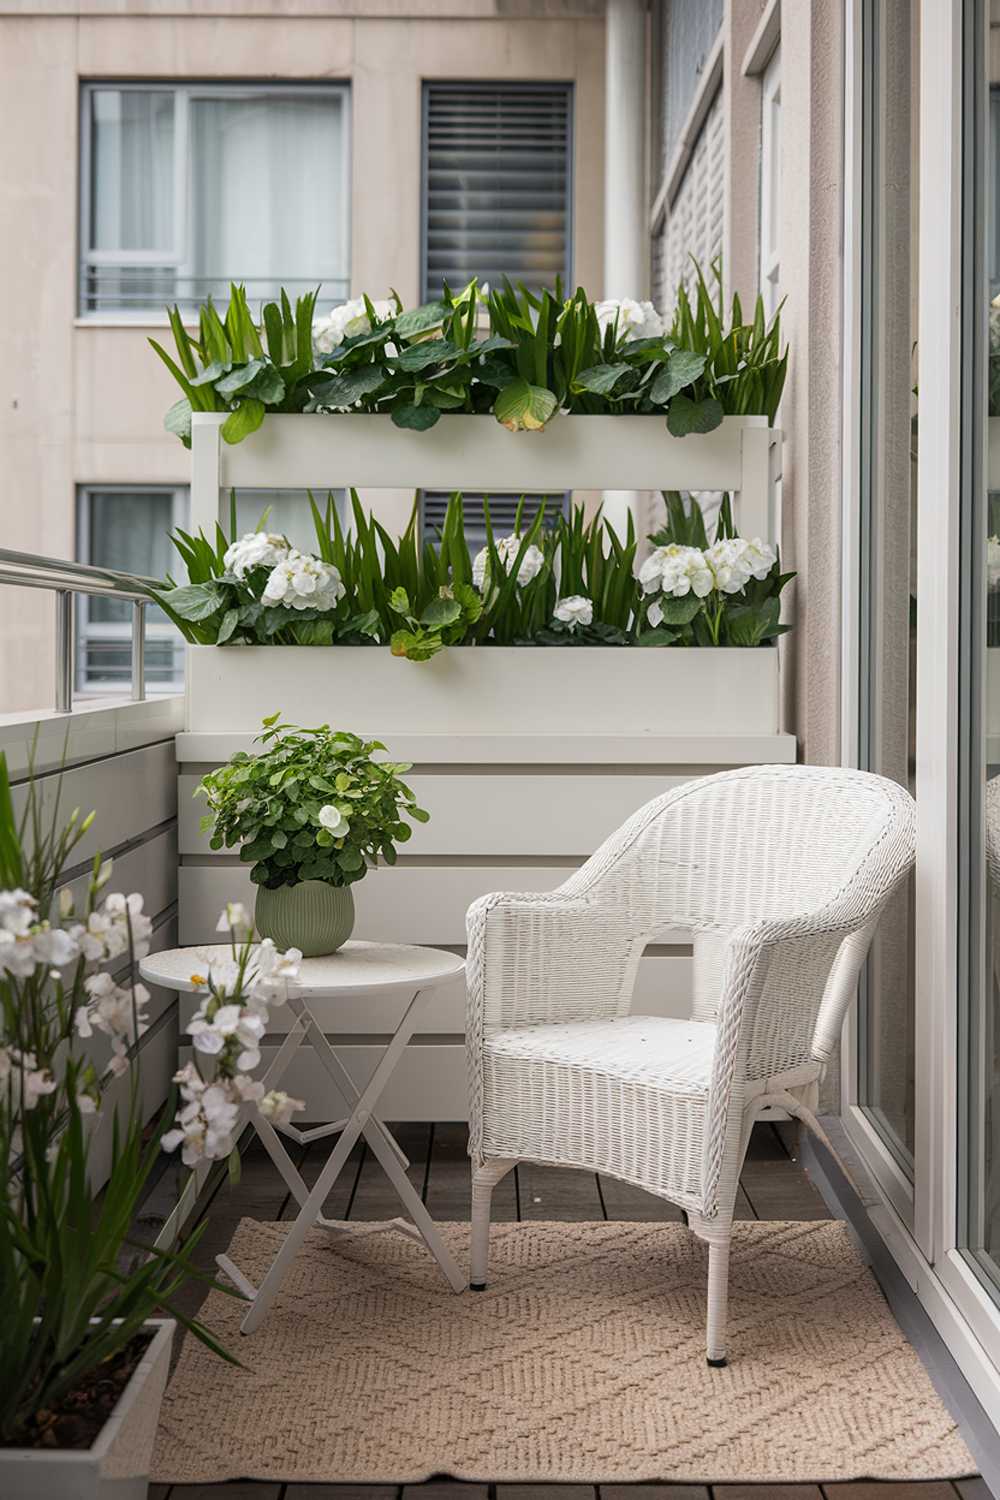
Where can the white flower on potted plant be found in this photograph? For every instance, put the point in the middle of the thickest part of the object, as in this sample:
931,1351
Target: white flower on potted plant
21,1076
333,820
346,322
574,610
635,320
258,549
303,582
507,550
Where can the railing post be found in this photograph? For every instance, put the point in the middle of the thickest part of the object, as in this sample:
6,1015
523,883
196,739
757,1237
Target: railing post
64,651
138,650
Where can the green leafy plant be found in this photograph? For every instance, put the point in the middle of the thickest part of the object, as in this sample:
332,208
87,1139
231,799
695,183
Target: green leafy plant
314,804
541,353
77,1287
420,597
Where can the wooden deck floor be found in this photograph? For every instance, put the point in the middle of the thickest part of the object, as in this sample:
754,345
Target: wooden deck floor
773,1186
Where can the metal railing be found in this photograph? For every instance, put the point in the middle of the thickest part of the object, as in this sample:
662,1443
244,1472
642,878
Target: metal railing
67,579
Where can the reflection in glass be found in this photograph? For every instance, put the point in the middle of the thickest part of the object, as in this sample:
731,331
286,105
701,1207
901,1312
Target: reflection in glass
889,490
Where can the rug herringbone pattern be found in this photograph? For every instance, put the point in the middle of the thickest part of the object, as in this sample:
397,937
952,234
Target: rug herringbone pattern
584,1361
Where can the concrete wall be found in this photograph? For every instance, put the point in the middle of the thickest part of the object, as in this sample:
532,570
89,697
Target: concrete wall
82,400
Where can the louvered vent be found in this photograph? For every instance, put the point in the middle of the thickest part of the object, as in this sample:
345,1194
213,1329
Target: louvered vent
497,183
503,509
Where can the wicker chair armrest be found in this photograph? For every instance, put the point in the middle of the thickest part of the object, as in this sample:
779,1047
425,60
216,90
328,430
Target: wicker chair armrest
536,957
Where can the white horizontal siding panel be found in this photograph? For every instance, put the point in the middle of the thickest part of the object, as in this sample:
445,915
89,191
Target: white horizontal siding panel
394,904
704,753
429,1083
662,988
128,793
150,868
158,1065
496,815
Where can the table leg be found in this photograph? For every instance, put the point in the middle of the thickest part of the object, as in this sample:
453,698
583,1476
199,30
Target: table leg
411,1199
310,1209
342,1078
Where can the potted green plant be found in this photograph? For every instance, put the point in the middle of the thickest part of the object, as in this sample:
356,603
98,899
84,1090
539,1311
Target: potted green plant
313,812
83,1355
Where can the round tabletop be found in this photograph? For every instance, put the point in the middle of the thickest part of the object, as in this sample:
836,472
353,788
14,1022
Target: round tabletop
355,967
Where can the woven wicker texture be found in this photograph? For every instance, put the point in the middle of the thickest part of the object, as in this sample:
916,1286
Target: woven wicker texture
583,1361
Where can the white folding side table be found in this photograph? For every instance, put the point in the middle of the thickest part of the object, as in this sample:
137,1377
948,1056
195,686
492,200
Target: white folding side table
356,969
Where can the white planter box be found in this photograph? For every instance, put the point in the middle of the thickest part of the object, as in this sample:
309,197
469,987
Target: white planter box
488,690
476,453
117,1466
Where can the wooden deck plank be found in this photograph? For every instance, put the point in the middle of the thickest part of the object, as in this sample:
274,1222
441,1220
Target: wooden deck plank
558,1193
240,1489
781,1190
449,1184
375,1197
312,1163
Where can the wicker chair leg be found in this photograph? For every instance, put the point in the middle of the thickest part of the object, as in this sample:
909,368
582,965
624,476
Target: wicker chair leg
718,1298
484,1180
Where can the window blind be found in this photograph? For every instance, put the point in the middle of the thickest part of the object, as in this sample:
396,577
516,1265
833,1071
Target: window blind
503,509
497,183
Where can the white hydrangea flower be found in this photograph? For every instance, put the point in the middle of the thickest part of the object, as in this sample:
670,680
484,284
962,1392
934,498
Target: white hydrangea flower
636,320
258,549
347,321
300,581
574,610
677,571
507,550
333,820
734,561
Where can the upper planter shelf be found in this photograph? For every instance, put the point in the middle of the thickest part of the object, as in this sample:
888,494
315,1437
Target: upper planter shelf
477,453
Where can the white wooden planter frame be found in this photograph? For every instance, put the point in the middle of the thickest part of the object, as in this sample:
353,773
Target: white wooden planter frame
525,757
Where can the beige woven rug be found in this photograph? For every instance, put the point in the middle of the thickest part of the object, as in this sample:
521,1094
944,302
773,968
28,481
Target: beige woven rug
583,1361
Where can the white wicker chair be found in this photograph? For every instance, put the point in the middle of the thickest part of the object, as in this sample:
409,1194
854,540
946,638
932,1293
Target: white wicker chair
780,873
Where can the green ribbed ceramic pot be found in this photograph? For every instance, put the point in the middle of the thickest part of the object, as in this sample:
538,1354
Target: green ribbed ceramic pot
315,917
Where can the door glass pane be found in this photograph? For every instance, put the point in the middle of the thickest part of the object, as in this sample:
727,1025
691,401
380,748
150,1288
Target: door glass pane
980,712
888,415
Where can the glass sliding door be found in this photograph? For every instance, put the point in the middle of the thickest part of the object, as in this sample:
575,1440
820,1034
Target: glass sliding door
886,481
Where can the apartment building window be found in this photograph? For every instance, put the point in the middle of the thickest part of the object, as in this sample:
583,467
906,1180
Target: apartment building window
770,184
127,527
503,510
186,187
497,183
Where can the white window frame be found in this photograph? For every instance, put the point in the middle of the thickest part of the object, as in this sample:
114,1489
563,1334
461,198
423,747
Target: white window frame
926,1248
178,256
93,685
769,248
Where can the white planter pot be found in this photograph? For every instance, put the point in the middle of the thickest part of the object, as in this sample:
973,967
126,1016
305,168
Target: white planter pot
116,1466
490,690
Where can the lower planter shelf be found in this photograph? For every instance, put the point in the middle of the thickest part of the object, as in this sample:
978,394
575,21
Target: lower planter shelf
490,690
